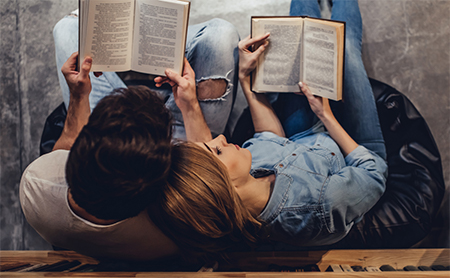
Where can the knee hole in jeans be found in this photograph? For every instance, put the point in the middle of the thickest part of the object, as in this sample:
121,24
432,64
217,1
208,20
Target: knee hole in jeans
211,88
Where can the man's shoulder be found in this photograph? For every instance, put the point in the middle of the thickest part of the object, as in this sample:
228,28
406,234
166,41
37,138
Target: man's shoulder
49,167
42,180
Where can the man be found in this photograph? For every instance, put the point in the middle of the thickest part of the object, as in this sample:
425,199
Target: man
92,199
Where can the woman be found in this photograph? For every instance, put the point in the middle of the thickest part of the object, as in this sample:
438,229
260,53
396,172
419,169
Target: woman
302,187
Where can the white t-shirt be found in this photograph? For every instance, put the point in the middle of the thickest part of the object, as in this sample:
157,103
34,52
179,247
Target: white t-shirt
43,196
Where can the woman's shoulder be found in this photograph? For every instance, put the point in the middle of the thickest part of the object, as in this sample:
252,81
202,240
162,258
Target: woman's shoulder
265,137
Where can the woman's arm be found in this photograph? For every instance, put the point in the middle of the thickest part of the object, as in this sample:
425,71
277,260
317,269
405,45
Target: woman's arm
263,116
321,107
79,110
185,94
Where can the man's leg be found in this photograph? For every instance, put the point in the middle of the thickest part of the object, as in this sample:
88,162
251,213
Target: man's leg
357,113
65,34
211,50
293,110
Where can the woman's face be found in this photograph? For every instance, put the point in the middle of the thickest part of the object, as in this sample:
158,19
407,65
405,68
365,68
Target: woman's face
237,160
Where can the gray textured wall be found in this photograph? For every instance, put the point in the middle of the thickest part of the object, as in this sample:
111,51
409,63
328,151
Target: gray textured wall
406,45
29,91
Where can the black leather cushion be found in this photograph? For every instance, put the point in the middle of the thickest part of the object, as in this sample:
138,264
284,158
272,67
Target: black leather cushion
53,128
415,185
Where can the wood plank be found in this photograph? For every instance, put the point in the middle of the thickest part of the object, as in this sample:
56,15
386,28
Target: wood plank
397,258
44,256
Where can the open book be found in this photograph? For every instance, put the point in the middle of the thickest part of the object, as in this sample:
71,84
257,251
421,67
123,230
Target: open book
142,35
303,49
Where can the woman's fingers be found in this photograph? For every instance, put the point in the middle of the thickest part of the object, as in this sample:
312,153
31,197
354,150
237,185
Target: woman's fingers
247,42
305,90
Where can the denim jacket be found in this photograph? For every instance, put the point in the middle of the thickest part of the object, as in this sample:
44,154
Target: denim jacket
318,194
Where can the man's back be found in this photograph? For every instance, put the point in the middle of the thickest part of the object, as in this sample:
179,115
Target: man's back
43,195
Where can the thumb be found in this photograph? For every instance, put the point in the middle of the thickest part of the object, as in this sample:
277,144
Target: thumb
173,76
86,67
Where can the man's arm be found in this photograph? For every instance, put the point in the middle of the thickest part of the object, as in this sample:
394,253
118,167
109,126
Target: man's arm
263,115
79,110
185,94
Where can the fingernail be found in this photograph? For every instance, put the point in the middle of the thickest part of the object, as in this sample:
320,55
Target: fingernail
88,60
300,84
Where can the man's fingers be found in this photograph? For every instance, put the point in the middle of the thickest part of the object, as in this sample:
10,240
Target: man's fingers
86,67
174,78
70,64
188,69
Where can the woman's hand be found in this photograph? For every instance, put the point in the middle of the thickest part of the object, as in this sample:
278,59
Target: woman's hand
248,59
79,82
183,87
320,106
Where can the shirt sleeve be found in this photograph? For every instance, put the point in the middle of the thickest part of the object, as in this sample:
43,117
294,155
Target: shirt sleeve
354,190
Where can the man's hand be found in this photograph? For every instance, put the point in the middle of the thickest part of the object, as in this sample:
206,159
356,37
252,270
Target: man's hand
183,87
185,94
79,109
248,59
79,82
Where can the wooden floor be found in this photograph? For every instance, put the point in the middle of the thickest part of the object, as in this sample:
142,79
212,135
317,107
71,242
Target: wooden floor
254,263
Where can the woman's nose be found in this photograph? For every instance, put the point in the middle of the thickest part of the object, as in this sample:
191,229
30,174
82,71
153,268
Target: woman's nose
223,139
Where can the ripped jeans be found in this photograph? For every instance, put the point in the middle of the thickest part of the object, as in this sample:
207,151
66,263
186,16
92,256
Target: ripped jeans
211,50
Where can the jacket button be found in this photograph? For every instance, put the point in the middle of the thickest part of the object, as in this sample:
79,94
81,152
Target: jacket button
281,165
333,154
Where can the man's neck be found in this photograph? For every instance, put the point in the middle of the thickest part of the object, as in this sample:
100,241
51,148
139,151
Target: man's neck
81,212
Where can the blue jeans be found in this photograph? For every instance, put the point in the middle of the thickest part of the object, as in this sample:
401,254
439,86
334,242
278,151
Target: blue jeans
211,49
357,113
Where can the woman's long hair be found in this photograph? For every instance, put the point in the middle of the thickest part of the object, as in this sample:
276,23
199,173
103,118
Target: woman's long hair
198,208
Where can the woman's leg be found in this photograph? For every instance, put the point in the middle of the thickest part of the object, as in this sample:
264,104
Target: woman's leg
305,7
211,50
293,110
65,34
357,113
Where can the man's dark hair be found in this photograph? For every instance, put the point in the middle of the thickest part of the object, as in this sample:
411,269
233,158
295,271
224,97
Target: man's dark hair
123,154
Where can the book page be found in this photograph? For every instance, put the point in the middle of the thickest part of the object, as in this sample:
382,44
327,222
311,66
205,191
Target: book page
109,34
320,59
160,32
279,66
